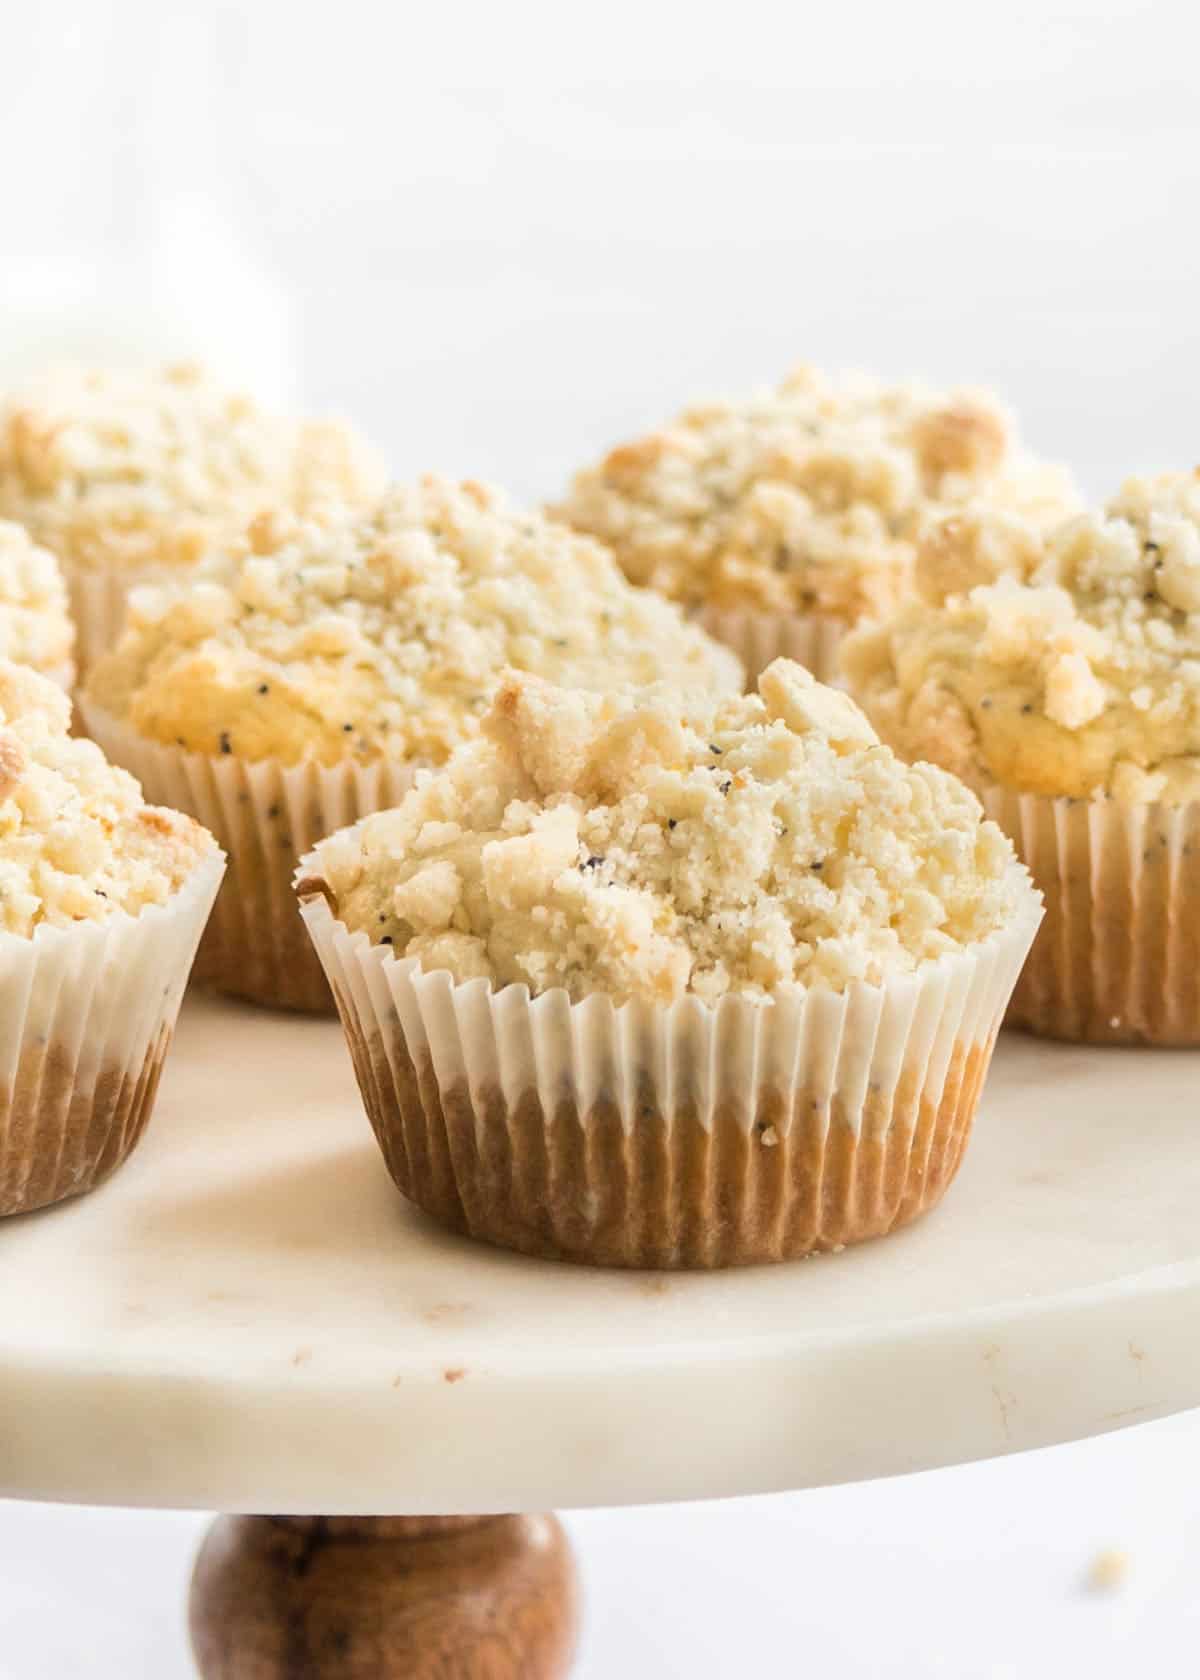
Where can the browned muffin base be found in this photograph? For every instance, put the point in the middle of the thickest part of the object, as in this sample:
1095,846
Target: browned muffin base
60,1137
1117,960
255,945
672,1196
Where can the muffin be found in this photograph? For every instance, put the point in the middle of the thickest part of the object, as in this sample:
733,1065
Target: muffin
1058,672
35,619
120,474
677,982
102,899
299,682
784,518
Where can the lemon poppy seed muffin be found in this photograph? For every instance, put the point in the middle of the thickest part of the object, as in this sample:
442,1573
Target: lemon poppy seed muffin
102,901
1058,671
384,631
35,618
787,516
728,959
319,664
638,847
1060,662
120,473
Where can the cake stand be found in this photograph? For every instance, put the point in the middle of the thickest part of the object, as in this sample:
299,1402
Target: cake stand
248,1317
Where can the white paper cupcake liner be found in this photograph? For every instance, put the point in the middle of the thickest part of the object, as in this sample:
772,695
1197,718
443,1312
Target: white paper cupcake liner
1118,957
265,816
98,599
88,1013
681,1136
812,640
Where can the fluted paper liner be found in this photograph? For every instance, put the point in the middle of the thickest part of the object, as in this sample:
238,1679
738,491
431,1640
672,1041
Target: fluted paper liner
811,639
1118,958
98,601
266,816
680,1136
88,1013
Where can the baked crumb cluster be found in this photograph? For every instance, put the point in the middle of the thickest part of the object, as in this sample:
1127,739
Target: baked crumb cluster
35,620
77,844
1064,662
129,470
648,846
386,631
805,499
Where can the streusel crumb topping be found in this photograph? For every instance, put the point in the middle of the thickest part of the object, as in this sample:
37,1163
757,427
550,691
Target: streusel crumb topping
808,498
77,843
647,846
35,620
385,632
1064,663
139,469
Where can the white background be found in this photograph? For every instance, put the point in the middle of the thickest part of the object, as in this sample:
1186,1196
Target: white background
503,236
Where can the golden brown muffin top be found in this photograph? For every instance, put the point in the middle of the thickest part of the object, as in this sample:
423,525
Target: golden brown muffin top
384,631
77,841
35,618
1059,662
131,470
643,845
805,499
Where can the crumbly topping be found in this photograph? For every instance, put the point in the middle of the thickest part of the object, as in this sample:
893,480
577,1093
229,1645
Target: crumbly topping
133,470
35,620
645,846
1064,663
385,632
77,843
805,499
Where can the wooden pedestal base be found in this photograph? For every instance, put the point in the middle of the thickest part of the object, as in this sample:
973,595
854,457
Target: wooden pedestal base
384,1598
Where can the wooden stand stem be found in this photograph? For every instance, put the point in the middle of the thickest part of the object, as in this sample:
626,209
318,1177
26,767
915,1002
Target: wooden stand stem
384,1598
